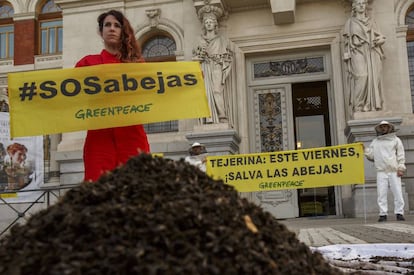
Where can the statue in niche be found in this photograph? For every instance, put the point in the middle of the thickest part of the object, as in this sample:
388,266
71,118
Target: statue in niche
363,57
214,53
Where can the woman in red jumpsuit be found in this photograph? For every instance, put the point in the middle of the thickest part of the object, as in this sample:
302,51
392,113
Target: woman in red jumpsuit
105,149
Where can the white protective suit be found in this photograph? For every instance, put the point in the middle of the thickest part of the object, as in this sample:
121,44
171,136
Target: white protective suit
198,161
387,153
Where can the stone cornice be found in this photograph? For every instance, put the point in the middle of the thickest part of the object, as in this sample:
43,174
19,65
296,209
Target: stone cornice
287,40
363,130
68,4
232,6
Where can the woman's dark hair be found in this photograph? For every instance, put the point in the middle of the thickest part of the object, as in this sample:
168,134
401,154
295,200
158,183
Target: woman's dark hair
129,50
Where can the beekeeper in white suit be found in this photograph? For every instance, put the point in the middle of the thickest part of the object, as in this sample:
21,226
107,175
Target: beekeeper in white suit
387,153
197,157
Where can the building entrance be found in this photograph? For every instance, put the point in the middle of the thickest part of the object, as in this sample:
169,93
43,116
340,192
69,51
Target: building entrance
288,99
312,129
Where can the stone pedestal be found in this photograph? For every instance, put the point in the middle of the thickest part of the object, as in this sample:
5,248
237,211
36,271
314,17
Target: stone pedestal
71,167
69,155
364,199
219,139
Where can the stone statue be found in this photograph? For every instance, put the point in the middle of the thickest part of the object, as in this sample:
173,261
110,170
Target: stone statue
213,51
363,56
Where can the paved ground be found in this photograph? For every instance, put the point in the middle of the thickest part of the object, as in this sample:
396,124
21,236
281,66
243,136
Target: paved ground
321,231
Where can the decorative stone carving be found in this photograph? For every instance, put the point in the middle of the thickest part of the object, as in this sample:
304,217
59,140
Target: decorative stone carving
153,16
363,56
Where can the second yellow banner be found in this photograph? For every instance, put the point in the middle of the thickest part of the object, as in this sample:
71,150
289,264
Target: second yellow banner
308,168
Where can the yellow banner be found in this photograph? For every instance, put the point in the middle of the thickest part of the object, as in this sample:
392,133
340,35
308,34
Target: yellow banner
316,167
103,96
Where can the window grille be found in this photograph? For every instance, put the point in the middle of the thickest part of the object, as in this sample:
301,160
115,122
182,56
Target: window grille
289,67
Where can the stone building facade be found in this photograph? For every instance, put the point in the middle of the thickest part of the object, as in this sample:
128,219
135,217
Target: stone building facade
287,87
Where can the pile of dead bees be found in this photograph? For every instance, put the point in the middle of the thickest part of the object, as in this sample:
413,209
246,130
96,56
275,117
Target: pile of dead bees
155,216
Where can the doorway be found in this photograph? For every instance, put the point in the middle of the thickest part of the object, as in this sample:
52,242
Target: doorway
312,129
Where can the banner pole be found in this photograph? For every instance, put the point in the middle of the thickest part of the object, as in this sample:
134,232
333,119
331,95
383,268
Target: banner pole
365,206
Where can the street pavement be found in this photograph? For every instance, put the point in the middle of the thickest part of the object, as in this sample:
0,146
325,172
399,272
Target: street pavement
322,231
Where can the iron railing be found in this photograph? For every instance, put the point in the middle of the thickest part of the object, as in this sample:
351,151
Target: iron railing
43,196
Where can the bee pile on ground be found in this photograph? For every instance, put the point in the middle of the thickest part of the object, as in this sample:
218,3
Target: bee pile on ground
156,216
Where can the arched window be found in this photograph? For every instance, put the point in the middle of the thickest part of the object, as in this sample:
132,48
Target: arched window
159,47
409,21
6,30
50,28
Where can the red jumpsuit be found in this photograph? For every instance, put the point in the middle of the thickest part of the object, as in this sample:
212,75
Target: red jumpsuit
105,149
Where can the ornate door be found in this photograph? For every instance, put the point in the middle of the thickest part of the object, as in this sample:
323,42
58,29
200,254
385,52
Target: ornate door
272,125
